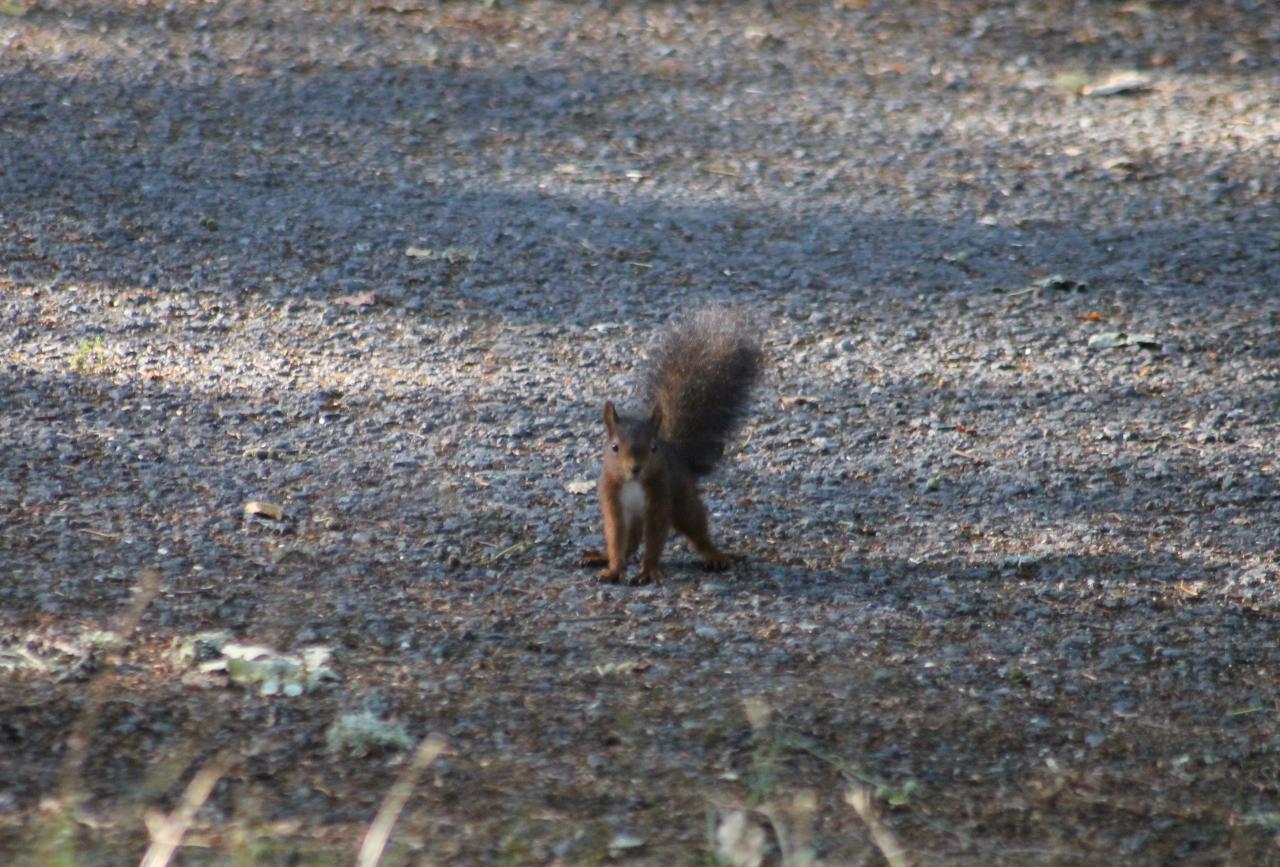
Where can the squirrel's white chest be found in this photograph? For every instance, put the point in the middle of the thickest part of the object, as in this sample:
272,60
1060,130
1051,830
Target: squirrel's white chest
632,502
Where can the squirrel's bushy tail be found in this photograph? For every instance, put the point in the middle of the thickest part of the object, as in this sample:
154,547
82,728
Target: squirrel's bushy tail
700,378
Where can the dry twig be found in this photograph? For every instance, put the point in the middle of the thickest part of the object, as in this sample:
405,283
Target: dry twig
96,693
167,831
860,798
375,839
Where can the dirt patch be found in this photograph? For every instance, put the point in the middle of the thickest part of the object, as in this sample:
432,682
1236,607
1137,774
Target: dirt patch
380,264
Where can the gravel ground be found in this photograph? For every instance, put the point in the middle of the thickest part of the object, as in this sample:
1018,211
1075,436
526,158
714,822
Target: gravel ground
380,264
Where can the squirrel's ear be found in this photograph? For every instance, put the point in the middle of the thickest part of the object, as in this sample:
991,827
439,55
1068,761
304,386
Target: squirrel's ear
610,417
655,418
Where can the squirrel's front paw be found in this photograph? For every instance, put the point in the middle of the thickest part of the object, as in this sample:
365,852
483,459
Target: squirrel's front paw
594,557
647,576
719,561
609,576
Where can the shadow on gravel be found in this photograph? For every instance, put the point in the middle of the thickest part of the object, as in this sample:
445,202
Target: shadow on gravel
1091,589
317,181
100,479
537,258
1230,38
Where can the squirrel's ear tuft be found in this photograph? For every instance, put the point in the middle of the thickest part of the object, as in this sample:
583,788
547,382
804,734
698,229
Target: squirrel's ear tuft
655,418
610,416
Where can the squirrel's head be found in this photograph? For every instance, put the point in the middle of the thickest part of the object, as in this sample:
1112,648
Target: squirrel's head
632,442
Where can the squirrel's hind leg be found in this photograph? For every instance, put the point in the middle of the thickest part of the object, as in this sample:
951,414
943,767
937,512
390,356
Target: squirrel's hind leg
691,520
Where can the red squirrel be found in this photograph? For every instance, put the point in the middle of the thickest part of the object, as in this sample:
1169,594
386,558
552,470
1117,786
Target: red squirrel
695,391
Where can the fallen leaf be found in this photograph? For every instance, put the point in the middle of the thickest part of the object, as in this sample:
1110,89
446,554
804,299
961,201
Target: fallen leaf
1114,339
1121,165
1053,281
758,37
452,255
1124,81
1062,284
272,672
622,842
614,668
366,298
263,509
399,7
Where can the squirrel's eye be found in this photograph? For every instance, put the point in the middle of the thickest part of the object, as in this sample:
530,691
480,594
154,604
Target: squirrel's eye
613,447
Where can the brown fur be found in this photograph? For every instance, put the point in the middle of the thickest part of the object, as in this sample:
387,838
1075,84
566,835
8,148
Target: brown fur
696,390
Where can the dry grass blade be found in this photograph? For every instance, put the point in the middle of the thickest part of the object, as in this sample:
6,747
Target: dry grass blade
860,798
97,691
167,831
375,839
